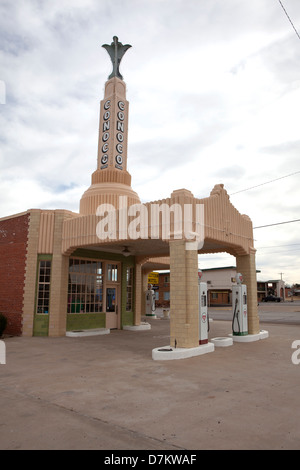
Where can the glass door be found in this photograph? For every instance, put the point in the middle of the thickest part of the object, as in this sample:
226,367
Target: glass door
112,294
112,307
111,299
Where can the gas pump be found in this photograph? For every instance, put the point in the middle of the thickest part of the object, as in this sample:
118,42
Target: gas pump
150,301
203,312
239,308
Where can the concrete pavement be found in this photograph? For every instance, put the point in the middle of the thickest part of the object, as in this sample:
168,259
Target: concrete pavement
106,392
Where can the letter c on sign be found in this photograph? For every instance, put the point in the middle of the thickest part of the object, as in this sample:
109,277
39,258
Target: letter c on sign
119,148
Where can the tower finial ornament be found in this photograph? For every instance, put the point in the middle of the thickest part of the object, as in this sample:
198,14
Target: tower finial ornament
116,51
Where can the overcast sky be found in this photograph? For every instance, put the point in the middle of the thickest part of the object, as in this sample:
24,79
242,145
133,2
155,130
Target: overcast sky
214,93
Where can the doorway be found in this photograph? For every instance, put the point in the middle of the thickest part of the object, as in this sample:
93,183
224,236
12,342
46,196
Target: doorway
112,307
112,290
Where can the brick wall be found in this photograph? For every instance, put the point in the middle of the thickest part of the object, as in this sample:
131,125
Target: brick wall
13,244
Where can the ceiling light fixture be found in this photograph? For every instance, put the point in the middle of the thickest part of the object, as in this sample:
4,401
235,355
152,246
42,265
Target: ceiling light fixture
126,252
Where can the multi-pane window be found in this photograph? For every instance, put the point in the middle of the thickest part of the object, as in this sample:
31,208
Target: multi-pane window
129,289
85,290
112,272
43,293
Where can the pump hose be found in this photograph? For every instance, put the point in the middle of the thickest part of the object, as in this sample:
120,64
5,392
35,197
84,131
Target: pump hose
237,318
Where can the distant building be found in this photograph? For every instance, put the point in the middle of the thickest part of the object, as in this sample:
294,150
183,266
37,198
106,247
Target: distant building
271,287
219,287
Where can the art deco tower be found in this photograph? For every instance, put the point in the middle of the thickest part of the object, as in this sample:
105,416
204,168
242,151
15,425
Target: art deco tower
111,178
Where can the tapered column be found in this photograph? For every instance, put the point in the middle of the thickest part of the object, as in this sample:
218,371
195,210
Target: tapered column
247,267
138,294
30,274
111,179
59,282
184,323
113,127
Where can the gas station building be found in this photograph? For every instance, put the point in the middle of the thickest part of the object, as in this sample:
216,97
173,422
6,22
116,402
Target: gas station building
62,271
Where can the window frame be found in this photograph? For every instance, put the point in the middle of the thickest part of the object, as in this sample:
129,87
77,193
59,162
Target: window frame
43,287
87,284
129,289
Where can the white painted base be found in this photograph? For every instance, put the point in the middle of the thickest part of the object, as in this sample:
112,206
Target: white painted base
166,314
166,353
92,332
142,327
222,341
249,338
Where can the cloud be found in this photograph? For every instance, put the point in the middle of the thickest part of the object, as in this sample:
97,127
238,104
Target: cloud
213,90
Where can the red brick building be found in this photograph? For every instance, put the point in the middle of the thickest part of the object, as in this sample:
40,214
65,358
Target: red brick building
13,249
162,290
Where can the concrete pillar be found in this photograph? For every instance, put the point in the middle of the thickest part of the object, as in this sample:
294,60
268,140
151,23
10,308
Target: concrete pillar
59,282
138,294
247,267
30,273
184,326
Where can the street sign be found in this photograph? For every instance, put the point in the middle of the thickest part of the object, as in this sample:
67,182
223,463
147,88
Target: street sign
153,278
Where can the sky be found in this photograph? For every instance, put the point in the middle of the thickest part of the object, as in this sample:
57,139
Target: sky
213,89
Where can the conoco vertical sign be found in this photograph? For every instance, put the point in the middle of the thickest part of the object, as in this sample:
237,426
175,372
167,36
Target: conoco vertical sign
113,134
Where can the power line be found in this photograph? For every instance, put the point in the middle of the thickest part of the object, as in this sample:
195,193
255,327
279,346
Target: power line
277,246
267,182
278,223
281,252
289,18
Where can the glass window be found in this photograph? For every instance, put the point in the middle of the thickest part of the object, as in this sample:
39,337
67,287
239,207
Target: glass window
166,295
112,272
85,288
111,299
129,289
43,291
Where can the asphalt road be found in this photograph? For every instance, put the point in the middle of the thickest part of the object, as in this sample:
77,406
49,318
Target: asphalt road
269,312
106,393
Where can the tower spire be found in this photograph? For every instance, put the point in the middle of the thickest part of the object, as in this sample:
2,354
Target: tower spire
111,178
116,51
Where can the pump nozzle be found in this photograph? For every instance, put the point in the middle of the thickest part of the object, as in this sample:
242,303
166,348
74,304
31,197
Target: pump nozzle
236,316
